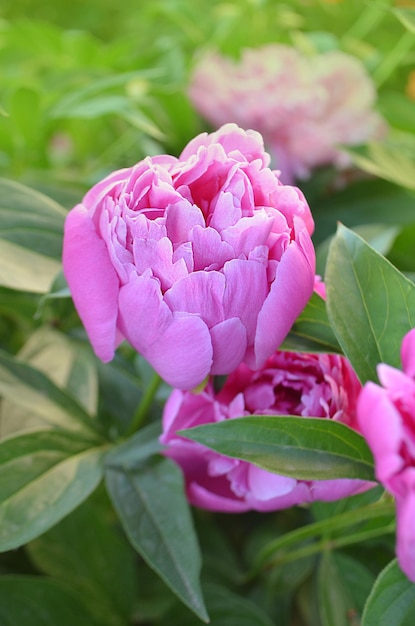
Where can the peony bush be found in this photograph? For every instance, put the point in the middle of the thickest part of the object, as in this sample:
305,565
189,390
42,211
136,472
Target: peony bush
164,254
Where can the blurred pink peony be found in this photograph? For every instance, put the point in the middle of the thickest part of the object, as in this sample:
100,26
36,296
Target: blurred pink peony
304,106
318,385
200,262
386,417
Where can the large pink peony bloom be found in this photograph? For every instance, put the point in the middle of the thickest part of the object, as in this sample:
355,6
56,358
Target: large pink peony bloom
386,417
321,385
304,106
201,261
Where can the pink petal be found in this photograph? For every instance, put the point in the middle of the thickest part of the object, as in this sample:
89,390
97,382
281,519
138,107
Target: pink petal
110,186
265,485
405,509
408,353
92,280
246,290
206,498
381,425
229,345
200,293
181,218
290,291
177,346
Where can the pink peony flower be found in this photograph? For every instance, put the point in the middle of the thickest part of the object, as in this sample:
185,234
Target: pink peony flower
304,106
386,417
200,262
318,385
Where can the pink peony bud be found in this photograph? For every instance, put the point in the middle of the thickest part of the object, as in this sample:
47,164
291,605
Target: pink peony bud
304,106
386,416
318,385
200,262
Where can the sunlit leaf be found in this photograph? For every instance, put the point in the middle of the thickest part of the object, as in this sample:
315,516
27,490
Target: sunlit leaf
44,476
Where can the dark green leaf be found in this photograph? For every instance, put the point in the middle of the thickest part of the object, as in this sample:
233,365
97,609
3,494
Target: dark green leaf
392,599
225,609
152,507
364,202
303,447
312,332
44,476
87,551
36,601
370,304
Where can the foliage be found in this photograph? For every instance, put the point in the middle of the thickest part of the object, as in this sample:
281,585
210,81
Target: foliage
95,527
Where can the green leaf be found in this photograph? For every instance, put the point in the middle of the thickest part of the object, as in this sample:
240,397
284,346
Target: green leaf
136,449
407,17
31,220
25,270
153,510
36,601
392,600
305,448
29,388
44,476
391,159
370,304
225,609
364,202
312,331
87,552
69,365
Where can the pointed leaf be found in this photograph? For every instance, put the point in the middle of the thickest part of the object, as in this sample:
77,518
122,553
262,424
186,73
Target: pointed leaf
392,599
44,476
305,448
370,304
153,510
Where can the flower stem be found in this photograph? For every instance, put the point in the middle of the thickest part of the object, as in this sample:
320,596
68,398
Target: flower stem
142,409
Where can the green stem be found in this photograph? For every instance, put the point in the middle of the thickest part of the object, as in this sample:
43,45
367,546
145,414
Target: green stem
272,553
142,409
367,21
331,544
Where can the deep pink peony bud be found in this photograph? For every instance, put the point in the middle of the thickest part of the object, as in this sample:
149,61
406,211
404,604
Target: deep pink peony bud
200,262
322,385
386,417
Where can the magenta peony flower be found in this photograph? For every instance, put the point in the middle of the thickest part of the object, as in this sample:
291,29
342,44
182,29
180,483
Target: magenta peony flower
318,385
200,262
304,106
386,417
